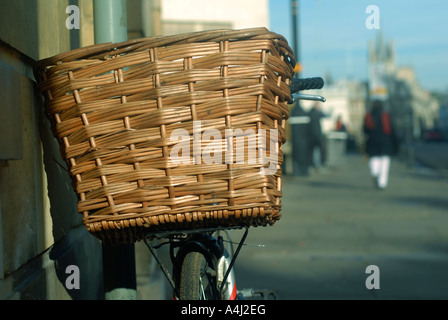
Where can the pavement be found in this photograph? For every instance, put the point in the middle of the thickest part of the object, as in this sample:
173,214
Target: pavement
335,224
151,283
433,155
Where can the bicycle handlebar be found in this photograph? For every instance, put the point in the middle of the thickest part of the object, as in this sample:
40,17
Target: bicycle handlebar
306,84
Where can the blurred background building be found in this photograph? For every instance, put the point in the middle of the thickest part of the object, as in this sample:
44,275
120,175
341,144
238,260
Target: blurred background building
413,108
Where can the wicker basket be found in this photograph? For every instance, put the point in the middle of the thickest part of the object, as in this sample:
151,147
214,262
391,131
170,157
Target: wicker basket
118,109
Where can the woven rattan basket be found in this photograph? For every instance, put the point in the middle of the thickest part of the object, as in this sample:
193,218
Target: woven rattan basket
120,111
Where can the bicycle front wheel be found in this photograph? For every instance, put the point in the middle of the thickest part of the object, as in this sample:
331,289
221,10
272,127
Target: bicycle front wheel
198,278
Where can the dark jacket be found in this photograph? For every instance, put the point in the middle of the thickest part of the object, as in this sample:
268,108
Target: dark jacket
380,134
314,126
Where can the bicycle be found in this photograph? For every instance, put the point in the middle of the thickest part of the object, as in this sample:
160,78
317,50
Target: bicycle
203,260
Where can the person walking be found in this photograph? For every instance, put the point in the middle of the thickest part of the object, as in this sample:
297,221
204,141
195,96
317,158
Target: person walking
380,143
340,126
316,140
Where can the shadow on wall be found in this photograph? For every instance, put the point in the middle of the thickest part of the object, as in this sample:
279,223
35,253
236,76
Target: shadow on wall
73,244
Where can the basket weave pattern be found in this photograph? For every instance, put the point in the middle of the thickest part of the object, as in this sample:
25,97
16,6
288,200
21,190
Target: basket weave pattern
114,108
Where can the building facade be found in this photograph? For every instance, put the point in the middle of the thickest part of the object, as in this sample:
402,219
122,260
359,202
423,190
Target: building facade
413,108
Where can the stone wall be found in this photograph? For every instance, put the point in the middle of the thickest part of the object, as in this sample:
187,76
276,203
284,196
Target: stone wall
41,232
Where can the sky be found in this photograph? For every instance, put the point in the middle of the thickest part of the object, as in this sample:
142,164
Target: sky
334,39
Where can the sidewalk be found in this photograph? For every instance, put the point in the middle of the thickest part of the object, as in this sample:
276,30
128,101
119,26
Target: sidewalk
433,155
335,224
151,283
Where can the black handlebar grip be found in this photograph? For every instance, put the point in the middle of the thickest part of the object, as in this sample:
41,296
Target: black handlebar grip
306,84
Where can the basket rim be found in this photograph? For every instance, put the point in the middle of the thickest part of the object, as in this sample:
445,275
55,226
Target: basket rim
108,49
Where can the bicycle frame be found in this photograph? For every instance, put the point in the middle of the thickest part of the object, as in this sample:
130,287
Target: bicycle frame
223,281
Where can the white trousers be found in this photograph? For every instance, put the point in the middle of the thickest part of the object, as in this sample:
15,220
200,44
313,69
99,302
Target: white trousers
379,169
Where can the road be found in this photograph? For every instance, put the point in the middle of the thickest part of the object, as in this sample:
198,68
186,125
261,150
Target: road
434,155
335,224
